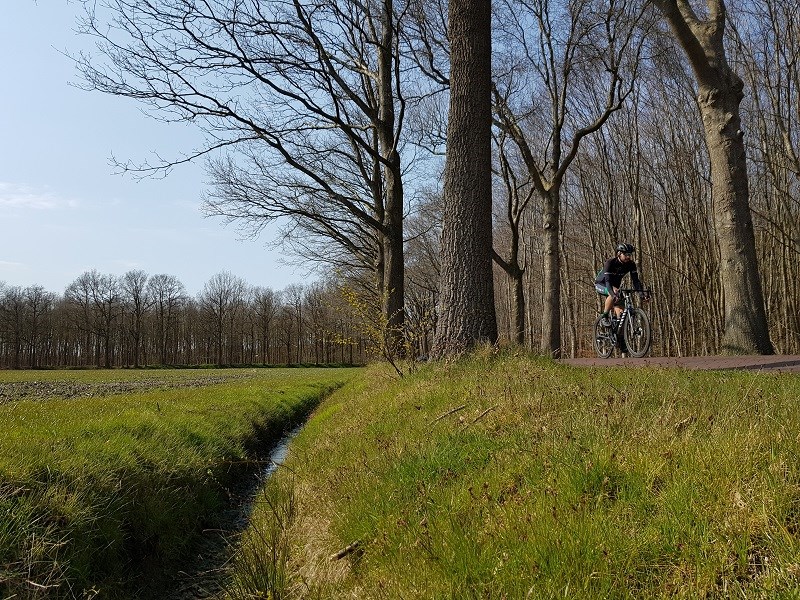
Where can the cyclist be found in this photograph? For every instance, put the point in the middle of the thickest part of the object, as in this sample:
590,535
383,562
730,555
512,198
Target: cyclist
609,279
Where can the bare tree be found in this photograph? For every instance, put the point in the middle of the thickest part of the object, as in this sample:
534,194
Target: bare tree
314,301
12,319
107,304
168,295
306,99
517,196
286,326
222,296
136,294
78,298
294,304
39,308
466,302
96,297
266,304
701,35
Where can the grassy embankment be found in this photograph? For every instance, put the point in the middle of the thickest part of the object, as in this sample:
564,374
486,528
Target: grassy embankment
544,481
108,477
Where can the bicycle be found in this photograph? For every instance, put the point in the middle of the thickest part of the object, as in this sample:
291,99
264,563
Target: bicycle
634,325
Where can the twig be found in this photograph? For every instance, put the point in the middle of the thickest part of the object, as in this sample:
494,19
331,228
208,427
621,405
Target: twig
449,412
484,413
39,586
345,551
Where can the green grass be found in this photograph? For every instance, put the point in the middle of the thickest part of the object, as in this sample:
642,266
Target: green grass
550,482
99,483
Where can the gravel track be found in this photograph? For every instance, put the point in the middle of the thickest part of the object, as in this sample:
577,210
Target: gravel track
782,363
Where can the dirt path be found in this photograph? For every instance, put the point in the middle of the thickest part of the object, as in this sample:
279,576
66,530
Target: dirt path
776,363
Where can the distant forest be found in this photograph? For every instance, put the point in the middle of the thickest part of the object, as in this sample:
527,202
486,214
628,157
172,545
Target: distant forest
141,320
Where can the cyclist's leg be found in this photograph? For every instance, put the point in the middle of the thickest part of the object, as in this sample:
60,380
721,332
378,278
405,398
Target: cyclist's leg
618,306
618,311
605,298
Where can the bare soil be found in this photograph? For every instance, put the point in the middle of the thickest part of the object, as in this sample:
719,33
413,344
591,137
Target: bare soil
49,389
782,363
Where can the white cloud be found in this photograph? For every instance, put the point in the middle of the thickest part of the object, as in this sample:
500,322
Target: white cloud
16,195
7,264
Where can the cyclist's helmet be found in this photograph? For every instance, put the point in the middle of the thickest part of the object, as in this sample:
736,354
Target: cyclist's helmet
626,248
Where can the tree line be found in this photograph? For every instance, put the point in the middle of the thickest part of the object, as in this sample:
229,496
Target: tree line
136,319
472,163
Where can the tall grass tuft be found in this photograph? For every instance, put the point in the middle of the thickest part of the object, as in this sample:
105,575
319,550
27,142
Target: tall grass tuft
263,554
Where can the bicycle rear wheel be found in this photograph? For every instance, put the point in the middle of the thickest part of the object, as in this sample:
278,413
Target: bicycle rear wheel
603,339
637,333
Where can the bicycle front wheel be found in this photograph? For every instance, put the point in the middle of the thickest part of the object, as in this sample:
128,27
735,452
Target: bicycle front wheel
603,339
637,333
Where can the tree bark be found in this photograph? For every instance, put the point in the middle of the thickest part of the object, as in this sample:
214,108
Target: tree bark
516,276
551,275
720,92
746,329
518,307
394,264
466,306
394,274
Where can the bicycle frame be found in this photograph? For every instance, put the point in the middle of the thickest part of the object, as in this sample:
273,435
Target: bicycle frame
630,338
627,296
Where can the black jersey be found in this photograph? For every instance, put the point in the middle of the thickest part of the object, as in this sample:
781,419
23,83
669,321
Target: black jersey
613,272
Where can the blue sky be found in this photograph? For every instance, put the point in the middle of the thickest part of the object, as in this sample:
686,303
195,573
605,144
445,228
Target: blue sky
63,211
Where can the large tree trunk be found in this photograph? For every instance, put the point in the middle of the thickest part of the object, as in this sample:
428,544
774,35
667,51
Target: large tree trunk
746,329
394,275
720,93
551,275
466,305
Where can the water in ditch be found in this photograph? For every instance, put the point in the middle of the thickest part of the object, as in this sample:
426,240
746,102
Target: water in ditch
207,577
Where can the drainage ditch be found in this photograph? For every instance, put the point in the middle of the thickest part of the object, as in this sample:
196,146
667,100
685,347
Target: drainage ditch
212,565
